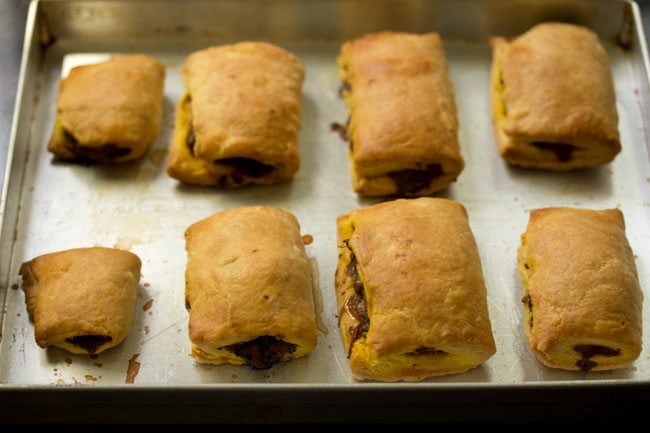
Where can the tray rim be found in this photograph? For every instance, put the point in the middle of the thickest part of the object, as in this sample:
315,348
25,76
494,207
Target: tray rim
30,41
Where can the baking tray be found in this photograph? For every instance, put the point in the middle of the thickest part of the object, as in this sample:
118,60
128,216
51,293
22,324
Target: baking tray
50,206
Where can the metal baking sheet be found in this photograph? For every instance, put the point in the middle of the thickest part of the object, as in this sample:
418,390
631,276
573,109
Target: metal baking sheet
50,206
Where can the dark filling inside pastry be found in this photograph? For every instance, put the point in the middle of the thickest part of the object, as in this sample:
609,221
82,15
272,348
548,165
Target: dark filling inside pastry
106,152
262,352
355,305
89,343
503,88
426,351
246,167
529,305
590,350
345,87
410,182
563,152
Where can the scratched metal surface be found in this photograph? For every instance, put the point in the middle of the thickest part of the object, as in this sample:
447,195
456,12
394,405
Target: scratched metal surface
138,207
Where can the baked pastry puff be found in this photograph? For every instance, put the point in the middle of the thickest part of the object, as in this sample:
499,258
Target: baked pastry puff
402,128
581,291
81,300
410,291
238,122
553,100
248,288
109,111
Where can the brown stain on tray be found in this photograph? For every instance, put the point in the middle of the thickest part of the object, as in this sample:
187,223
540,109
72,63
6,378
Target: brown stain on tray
133,369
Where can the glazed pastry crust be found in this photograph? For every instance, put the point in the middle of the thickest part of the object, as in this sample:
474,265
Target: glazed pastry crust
578,269
248,276
554,84
423,286
81,292
115,103
242,101
402,110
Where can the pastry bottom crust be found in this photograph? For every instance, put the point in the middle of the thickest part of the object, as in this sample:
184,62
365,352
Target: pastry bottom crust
67,148
547,155
229,172
411,367
228,355
410,182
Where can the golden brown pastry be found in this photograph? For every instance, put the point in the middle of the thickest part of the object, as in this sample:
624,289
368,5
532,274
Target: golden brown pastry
410,291
110,111
553,101
81,300
402,127
581,291
238,122
248,288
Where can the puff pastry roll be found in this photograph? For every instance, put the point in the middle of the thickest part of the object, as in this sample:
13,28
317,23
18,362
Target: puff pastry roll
238,122
553,101
81,300
581,291
110,111
248,288
402,127
410,291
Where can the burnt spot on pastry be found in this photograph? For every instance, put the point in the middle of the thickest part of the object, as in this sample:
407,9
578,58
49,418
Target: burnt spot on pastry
588,351
188,307
245,167
527,301
106,152
420,351
563,152
356,305
410,182
262,352
89,343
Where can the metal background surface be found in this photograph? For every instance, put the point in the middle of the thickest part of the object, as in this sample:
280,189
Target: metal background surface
53,206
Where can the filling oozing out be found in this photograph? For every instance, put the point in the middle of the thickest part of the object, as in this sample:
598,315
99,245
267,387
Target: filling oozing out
355,305
106,152
410,182
90,343
529,306
420,351
241,167
563,152
588,351
262,352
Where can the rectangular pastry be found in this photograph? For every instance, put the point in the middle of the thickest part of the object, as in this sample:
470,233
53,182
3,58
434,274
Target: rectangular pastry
238,122
581,291
248,288
553,100
110,111
410,291
402,127
81,300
